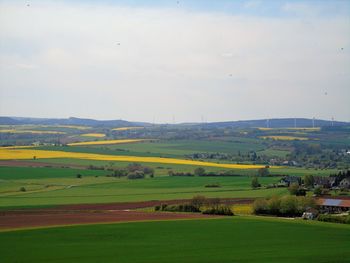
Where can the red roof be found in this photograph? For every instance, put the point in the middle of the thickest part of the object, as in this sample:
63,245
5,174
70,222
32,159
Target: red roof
333,202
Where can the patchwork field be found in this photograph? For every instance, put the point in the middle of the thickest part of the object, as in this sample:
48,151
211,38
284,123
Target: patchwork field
238,239
53,186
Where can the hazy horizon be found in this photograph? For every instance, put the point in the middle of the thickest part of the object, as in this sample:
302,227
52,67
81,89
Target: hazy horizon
175,61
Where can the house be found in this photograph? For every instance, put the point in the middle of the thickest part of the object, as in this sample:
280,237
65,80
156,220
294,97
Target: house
330,205
288,180
324,182
345,183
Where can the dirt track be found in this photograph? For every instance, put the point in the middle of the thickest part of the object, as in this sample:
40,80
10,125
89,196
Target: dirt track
94,213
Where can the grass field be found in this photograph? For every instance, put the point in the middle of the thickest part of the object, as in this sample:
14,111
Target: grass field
238,239
52,186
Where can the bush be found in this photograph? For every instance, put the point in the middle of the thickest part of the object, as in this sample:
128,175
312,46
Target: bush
79,176
199,171
260,206
334,219
289,206
23,189
177,208
198,201
263,172
172,173
295,189
221,210
212,185
255,183
136,175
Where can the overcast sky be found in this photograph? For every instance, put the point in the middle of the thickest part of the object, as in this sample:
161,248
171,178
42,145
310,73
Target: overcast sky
181,61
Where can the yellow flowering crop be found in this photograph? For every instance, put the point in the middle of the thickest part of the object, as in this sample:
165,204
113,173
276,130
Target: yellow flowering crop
105,142
13,154
97,135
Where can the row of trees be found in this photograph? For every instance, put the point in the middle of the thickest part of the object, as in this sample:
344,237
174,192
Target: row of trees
200,171
197,204
133,171
288,205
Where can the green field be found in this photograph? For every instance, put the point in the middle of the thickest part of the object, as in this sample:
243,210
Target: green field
238,239
51,186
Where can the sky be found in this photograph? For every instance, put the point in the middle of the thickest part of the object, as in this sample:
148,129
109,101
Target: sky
175,61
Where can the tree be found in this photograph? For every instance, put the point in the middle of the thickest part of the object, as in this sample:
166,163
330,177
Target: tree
198,201
289,205
260,206
263,172
318,191
274,205
79,176
309,180
293,188
200,171
255,183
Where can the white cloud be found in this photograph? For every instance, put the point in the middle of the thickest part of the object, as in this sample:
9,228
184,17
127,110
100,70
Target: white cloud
170,62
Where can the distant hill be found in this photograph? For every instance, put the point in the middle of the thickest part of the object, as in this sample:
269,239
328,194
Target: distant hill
272,123
69,121
277,123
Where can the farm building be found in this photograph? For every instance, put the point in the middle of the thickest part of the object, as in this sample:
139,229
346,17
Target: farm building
325,182
334,205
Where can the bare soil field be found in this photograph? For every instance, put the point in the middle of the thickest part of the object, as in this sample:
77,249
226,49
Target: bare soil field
20,163
95,213
25,219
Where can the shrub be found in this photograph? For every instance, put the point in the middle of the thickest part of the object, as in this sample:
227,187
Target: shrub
318,191
212,185
199,171
274,205
79,176
177,208
263,172
23,189
283,206
260,206
198,201
120,173
289,206
295,189
221,210
334,219
136,175
172,173
255,183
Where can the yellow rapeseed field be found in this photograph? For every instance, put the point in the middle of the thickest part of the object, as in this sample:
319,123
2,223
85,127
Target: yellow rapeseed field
284,137
17,154
69,127
127,128
105,142
30,131
242,209
97,135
